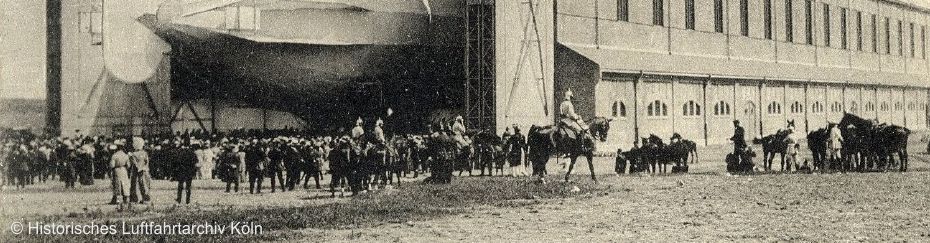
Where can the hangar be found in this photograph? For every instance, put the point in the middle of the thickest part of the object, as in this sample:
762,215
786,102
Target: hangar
654,66
692,67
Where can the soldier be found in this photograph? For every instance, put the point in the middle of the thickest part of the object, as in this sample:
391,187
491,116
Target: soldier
739,138
458,132
276,166
836,144
185,169
230,167
358,131
141,178
378,132
20,165
570,119
257,161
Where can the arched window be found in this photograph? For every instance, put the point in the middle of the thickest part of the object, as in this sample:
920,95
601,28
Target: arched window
691,108
817,107
869,106
657,108
618,109
797,107
898,106
774,108
836,107
884,106
853,107
722,108
911,106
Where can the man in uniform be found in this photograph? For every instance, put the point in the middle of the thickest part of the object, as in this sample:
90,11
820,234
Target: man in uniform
836,144
739,138
379,132
141,180
458,132
570,119
358,131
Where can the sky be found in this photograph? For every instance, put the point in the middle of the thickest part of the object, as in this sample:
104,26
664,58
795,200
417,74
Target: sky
22,49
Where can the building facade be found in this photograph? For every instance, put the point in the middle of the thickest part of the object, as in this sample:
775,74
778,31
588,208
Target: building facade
692,67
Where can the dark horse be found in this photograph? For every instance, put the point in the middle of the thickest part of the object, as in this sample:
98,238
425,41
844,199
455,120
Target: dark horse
599,126
774,144
561,142
817,143
884,141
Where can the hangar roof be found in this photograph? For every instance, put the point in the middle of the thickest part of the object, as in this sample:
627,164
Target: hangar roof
633,61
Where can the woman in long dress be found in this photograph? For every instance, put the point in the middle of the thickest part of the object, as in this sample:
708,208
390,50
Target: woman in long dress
119,164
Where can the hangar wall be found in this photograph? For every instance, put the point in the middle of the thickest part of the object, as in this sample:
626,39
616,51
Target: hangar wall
525,63
692,75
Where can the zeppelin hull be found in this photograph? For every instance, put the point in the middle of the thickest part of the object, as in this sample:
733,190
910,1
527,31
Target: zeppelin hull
324,84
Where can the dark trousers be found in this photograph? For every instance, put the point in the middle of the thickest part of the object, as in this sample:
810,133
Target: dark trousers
255,181
184,185
276,175
139,186
231,183
293,178
22,179
316,178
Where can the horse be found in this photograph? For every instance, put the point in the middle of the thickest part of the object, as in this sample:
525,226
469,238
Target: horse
682,150
599,126
774,144
563,143
443,150
539,149
400,148
882,141
817,143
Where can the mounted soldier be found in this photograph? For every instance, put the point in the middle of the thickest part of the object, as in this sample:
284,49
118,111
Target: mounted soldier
458,132
358,131
570,120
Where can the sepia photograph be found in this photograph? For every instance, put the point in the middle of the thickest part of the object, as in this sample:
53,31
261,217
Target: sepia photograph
464,121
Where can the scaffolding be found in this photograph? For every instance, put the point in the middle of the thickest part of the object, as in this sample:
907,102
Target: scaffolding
480,65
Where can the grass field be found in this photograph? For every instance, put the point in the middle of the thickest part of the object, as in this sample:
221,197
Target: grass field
706,205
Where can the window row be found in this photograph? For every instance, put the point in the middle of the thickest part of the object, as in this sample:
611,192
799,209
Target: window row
722,108
844,14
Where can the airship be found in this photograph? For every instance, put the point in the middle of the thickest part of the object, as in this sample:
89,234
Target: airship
325,61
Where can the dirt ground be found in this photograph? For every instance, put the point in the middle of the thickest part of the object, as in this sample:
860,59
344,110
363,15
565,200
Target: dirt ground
706,205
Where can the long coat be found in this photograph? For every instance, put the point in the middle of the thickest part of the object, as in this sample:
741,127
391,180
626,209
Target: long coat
119,166
185,164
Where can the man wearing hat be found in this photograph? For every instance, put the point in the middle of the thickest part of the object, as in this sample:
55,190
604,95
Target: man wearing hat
739,138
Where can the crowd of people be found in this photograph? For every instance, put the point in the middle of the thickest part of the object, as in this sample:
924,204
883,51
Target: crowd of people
288,158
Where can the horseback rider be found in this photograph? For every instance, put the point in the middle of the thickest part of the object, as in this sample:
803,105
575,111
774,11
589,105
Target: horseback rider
458,132
358,131
378,132
570,119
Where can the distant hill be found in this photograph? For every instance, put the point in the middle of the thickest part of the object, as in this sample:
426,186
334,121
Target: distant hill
22,113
